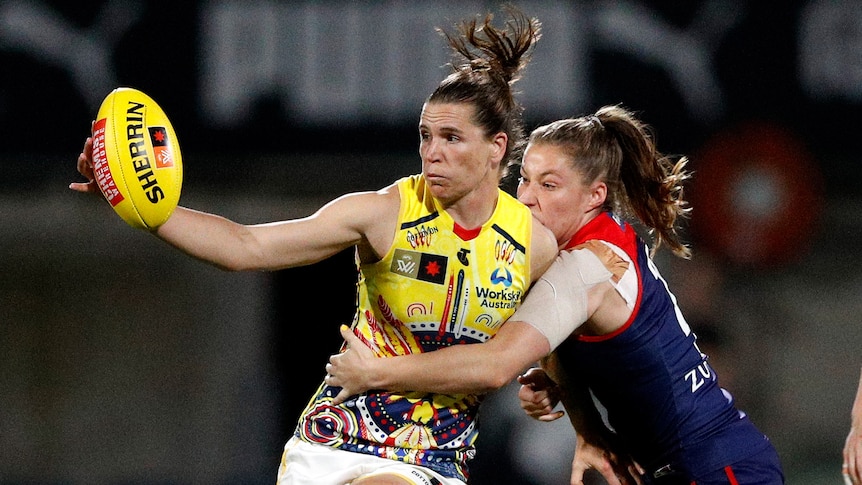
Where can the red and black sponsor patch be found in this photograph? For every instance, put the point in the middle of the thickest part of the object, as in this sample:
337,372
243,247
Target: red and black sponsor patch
421,266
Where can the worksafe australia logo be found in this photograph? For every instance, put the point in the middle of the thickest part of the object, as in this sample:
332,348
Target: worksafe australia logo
420,266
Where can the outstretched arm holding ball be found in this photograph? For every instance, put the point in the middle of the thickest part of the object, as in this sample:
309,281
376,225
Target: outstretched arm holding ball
134,160
353,219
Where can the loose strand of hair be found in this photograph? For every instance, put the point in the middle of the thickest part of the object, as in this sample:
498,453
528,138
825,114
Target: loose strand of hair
495,48
652,181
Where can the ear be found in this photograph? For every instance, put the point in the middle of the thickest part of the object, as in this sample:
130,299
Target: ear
598,194
498,147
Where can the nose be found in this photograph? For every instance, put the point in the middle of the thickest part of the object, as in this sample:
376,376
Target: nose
429,150
525,195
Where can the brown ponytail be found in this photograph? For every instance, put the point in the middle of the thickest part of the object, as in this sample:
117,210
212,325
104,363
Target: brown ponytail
613,145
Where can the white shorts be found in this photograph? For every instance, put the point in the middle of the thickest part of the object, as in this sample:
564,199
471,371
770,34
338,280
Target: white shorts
308,464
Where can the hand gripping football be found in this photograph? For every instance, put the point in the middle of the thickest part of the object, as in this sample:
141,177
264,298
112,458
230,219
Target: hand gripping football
136,158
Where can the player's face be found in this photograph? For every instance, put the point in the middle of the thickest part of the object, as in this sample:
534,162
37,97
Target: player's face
457,157
556,193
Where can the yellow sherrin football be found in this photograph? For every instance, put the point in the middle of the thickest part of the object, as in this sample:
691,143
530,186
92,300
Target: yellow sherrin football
136,158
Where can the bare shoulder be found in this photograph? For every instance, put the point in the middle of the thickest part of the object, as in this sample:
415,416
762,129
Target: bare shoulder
386,201
376,217
543,249
366,205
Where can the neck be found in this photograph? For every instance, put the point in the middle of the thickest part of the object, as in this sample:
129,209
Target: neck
474,210
587,217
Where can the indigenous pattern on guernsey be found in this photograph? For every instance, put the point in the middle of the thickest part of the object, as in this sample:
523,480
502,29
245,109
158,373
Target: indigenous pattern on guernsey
434,288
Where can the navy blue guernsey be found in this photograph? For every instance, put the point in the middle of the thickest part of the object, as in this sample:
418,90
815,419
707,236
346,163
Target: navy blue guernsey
661,395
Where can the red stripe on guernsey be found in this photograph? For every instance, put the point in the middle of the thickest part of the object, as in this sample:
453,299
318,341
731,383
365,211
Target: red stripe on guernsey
442,330
605,227
731,478
466,234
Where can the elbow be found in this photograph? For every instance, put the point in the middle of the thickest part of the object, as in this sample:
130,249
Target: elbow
242,262
228,266
480,379
498,377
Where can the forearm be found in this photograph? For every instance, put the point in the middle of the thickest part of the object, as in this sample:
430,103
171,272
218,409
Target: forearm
208,237
585,417
578,402
436,372
462,369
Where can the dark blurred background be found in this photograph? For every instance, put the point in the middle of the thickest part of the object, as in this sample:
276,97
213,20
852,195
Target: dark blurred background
124,362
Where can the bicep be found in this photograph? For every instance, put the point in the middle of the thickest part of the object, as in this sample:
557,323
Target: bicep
341,223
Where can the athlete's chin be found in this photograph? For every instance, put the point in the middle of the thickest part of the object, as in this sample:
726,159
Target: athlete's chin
444,195
439,187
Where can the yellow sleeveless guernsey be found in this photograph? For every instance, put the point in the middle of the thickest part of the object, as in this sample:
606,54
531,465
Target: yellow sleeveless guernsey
432,289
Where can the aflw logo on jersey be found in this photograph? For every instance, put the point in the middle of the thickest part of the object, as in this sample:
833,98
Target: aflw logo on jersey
420,266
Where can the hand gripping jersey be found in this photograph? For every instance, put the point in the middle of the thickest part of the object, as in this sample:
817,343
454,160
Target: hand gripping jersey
437,286
661,395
